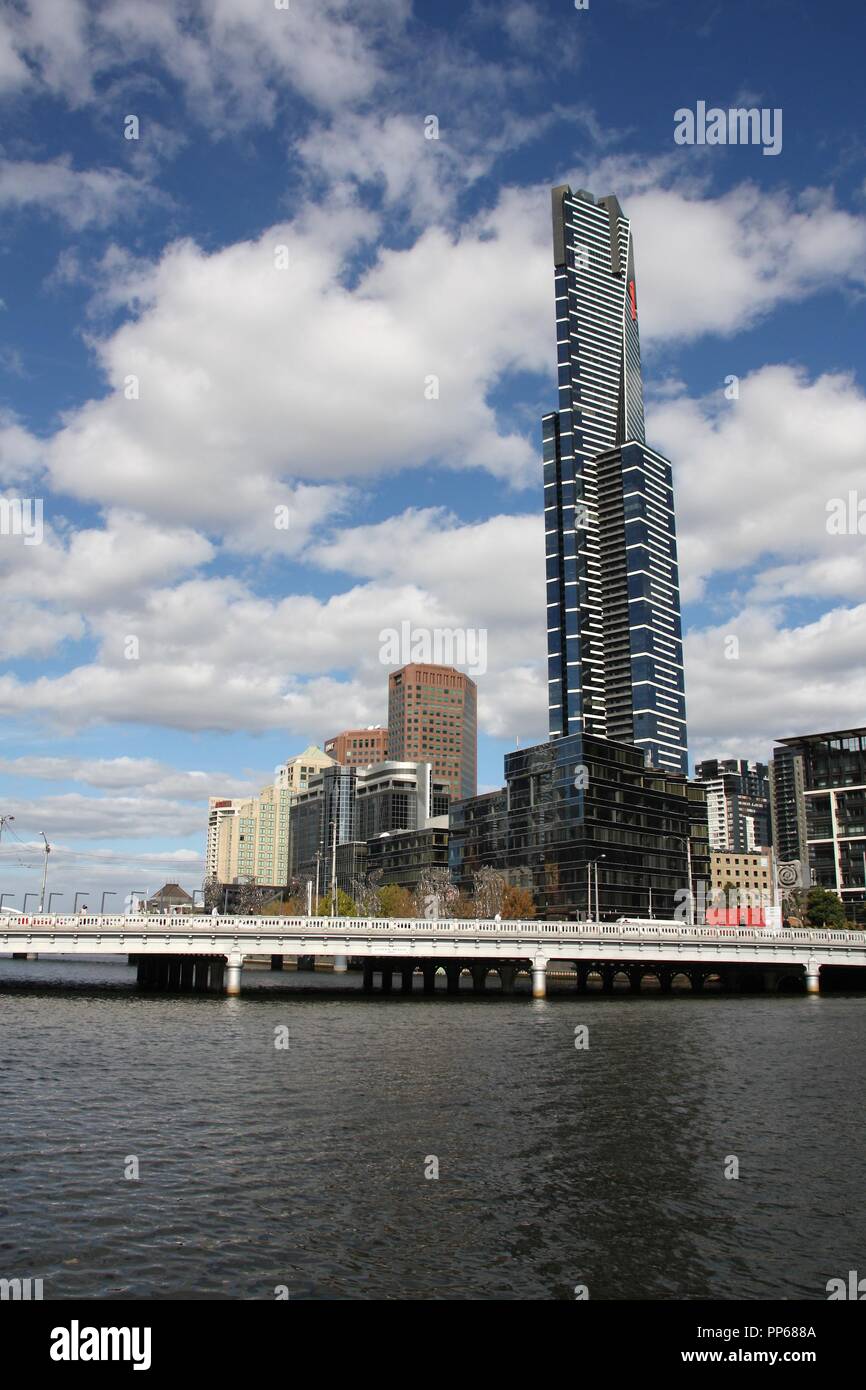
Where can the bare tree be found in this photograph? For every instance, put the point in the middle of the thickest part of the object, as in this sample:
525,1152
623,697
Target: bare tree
436,894
489,888
368,898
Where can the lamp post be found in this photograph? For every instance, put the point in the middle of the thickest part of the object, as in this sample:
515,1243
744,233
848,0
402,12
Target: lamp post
51,896
29,895
686,840
9,895
132,892
44,875
592,864
75,903
109,893
334,868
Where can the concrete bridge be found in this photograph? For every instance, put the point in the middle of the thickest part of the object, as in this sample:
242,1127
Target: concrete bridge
208,952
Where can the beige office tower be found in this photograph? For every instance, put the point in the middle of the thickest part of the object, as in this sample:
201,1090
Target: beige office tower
249,837
432,717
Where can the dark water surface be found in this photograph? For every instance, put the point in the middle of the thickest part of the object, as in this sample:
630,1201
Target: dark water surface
305,1167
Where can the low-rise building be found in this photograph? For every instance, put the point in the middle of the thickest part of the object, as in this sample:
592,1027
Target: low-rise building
359,747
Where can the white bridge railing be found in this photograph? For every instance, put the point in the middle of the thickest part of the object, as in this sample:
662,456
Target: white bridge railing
141,924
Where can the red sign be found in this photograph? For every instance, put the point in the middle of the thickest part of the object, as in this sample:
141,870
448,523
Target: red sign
633,300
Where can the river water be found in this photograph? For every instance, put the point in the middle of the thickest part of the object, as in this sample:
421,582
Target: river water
303,1168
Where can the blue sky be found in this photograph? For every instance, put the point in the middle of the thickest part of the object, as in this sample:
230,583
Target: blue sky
303,387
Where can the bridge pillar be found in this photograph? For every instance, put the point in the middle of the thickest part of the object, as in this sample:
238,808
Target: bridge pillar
429,978
813,976
187,966
539,977
607,976
368,977
406,977
452,972
697,978
387,978
666,976
276,962
635,976
341,965
234,966
479,977
506,975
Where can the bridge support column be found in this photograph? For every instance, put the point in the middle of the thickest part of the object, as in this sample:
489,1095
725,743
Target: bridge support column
187,965
368,977
234,966
506,975
813,977
276,962
406,978
387,978
607,975
341,965
429,979
479,978
539,977
635,975
452,971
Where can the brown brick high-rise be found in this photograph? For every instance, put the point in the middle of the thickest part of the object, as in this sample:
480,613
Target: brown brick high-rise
432,717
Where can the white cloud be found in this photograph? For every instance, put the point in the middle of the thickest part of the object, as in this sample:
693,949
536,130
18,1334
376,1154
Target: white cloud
753,477
81,197
147,777
786,680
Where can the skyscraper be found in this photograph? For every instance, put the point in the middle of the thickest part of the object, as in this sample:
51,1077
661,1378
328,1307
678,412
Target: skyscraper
432,717
615,664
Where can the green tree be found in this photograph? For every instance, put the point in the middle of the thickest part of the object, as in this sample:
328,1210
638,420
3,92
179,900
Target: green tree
345,905
395,901
824,909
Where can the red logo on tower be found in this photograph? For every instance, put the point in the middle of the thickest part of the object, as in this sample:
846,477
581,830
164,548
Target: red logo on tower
632,300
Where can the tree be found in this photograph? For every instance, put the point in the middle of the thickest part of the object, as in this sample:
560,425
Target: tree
395,901
517,903
367,894
345,905
488,887
214,894
824,909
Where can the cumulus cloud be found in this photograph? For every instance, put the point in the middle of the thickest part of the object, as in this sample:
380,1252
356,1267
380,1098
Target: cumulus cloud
754,477
784,680
79,197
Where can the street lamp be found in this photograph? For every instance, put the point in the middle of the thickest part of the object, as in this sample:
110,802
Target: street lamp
590,865
132,893
686,840
9,895
109,893
45,875
75,904
55,894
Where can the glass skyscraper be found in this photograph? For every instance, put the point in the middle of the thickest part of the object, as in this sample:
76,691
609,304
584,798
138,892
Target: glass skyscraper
615,661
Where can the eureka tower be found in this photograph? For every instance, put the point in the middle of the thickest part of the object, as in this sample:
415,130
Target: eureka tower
615,659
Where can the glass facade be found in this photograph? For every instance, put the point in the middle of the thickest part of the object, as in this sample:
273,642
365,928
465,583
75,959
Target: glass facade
829,803
615,665
575,801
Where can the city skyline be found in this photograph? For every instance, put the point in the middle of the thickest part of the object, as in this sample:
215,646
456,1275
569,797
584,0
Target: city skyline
366,218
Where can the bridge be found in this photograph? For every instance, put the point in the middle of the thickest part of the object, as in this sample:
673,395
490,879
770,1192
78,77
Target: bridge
207,953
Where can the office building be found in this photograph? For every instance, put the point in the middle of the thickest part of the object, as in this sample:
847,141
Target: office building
249,837
359,747
615,662
582,804
832,811
432,716
345,808
738,803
